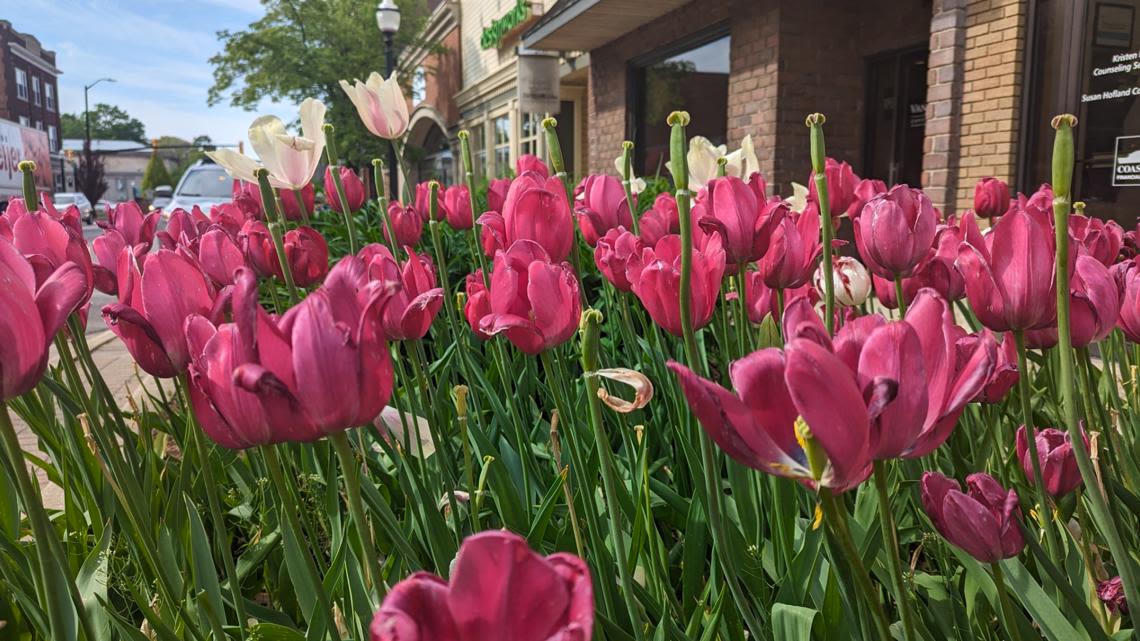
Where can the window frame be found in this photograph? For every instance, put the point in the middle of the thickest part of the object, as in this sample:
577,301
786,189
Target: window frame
49,96
494,146
21,84
37,92
53,137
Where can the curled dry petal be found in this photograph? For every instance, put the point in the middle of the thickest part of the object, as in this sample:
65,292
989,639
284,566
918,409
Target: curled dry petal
642,386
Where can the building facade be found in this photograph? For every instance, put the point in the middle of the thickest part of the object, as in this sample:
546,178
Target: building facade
937,93
29,91
124,163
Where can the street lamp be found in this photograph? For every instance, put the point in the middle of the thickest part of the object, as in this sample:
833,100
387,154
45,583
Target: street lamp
388,19
87,122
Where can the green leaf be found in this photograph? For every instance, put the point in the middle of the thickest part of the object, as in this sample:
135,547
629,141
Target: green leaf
273,632
1052,622
92,584
202,563
793,622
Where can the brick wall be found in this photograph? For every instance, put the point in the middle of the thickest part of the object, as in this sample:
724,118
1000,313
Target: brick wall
444,77
941,155
995,39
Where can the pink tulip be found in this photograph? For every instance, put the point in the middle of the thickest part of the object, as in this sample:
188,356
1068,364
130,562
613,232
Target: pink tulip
795,248
1128,284
69,218
423,201
499,589
762,300
219,255
409,310
1094,307
865,190
320,369
1111,594
1097,238
183,228
478,303
48,241
497,194
289,205
841,184
305,250
983,521
1004,375
612,255
354,191
895,231
745,224
34,310
603,207
1055,454
154,305
536,210
991,198
534,302
407,224
755,425
1010,276
530,162
660,220
128,219
656,279
247,198
457,205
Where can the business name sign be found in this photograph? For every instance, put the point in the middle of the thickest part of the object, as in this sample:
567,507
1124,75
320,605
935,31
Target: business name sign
22,143
1126,162
493,35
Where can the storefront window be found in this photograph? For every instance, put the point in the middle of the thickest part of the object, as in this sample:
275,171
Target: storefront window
692,76
530,134
478,151
1086,61
501,128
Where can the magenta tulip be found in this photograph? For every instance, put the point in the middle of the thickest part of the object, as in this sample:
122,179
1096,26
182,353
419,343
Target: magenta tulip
457,205
534,302
1127,276
1094,307
744,223
247,198
795,248
895,231
354,191
656,280
499,589
1055,454
756,424
34,310
128,219
1111,594
153,307
478,303
320,369
530,162
1009,277
865,190
409,310
407,224
497,194
183,228
841,184
660,220
305,250
423,201
219,255
1097,238
613,253
289,205
983,521
69,218
49,241
603,207
536,210
1004,375
762,300
991,198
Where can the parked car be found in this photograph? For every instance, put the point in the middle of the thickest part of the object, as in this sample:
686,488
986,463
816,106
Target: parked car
163,194
63,200
204,184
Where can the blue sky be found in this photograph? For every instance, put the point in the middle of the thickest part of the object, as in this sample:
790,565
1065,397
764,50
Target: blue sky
157,50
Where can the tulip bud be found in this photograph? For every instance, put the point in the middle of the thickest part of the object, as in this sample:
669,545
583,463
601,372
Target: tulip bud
353,189
991,197
851,281
895,231
984,521
1058,463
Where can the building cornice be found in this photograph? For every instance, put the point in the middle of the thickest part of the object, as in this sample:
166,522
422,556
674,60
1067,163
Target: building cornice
442,21
27,56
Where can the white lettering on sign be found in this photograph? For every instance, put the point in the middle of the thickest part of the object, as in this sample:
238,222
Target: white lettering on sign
1126,162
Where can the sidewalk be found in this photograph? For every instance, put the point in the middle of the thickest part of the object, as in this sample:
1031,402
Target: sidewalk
118,369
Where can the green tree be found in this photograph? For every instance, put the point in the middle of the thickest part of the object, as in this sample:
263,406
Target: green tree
156,172
301,49
108,122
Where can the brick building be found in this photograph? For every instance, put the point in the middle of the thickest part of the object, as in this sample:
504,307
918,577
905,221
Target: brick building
29,92
933,92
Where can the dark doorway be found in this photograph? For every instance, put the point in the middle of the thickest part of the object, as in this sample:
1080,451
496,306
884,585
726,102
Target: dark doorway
896,116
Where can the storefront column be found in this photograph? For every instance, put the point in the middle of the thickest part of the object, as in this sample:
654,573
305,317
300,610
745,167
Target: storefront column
946,71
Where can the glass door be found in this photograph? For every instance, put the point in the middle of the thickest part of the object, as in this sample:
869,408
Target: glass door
896,116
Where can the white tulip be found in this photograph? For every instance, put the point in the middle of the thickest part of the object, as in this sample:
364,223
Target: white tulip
290,160
798,200
239,166
636,185
381,105
703,157
851,281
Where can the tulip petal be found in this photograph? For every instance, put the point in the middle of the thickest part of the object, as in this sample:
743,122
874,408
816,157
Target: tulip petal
60,295
893,352
971,526
415,610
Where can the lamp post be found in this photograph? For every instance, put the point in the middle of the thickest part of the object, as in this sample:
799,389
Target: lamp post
87,123
388,19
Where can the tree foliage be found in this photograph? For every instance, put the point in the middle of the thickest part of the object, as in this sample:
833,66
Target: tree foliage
156,173
89,175
301,49
108,122
183,153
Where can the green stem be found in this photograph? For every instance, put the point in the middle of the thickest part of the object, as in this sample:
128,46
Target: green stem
334,169
1024,391
591,333
382,202
301,206
28,169
887,522
373,572
276,231
678,120
836,518
1006,607
627,184
1062,183
742,321
287,514
818,166
900,297
469,180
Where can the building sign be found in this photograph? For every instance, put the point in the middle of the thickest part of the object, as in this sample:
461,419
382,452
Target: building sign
22,143
538,82
1126,162
1115,80
493,35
